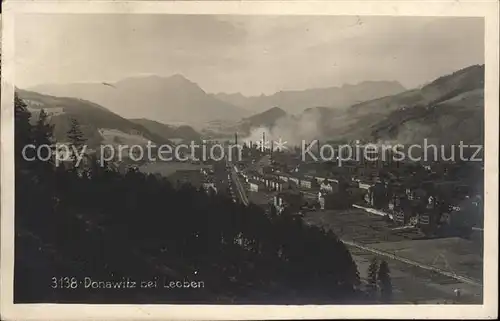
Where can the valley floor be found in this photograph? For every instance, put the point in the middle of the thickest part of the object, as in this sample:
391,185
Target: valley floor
412,283
422,270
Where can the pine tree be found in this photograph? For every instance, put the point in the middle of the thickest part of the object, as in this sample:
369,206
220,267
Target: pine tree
385,283
43,135
43,130
372,278
76,139
22,131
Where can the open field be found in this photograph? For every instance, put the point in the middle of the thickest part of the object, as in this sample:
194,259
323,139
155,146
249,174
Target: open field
452,254
411,283
415,285
115,136
359,226
168,168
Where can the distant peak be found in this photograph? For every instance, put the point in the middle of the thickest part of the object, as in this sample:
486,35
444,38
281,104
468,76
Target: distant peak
178,77
275,111
235,94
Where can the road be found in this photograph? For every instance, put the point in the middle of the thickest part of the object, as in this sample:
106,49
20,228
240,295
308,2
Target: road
221,178
238,188
373,211
228,182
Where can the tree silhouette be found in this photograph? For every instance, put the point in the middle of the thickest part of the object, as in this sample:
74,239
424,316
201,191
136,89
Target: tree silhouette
22,132
385,283
76,139
43,131
43,139
110,225
372,278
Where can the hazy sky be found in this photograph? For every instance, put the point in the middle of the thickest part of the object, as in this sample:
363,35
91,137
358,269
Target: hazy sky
248,54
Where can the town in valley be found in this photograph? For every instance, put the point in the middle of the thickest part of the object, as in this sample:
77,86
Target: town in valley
271,207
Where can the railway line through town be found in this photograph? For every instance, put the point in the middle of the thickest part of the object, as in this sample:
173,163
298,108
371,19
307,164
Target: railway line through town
240,190
370,234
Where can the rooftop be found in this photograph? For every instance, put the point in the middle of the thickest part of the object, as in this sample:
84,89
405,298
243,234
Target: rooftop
254,181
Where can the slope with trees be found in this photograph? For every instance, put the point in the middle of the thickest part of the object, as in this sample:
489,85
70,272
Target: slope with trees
183,132
95,222
91,117
436,111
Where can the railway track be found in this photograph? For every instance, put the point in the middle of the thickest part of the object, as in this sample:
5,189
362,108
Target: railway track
455,276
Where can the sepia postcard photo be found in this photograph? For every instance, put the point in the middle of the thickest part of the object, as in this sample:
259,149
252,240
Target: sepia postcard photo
249,160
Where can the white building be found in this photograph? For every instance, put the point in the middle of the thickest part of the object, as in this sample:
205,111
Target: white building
253,185
305,183
365,185
326,187
322,202
278,203
208,185
283,177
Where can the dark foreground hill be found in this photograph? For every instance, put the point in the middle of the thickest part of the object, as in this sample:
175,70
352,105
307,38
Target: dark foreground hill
91,234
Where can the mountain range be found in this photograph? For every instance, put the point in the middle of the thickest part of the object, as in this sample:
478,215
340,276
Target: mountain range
176,99
296,101
172,99
446,110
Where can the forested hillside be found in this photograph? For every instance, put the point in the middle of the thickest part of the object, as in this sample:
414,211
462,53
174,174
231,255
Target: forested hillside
92,221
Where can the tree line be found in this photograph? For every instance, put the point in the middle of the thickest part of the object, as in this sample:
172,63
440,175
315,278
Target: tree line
93,221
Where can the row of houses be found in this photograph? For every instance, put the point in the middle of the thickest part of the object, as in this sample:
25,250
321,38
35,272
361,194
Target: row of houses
279,181
404,200
258,182
432,206
433,218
